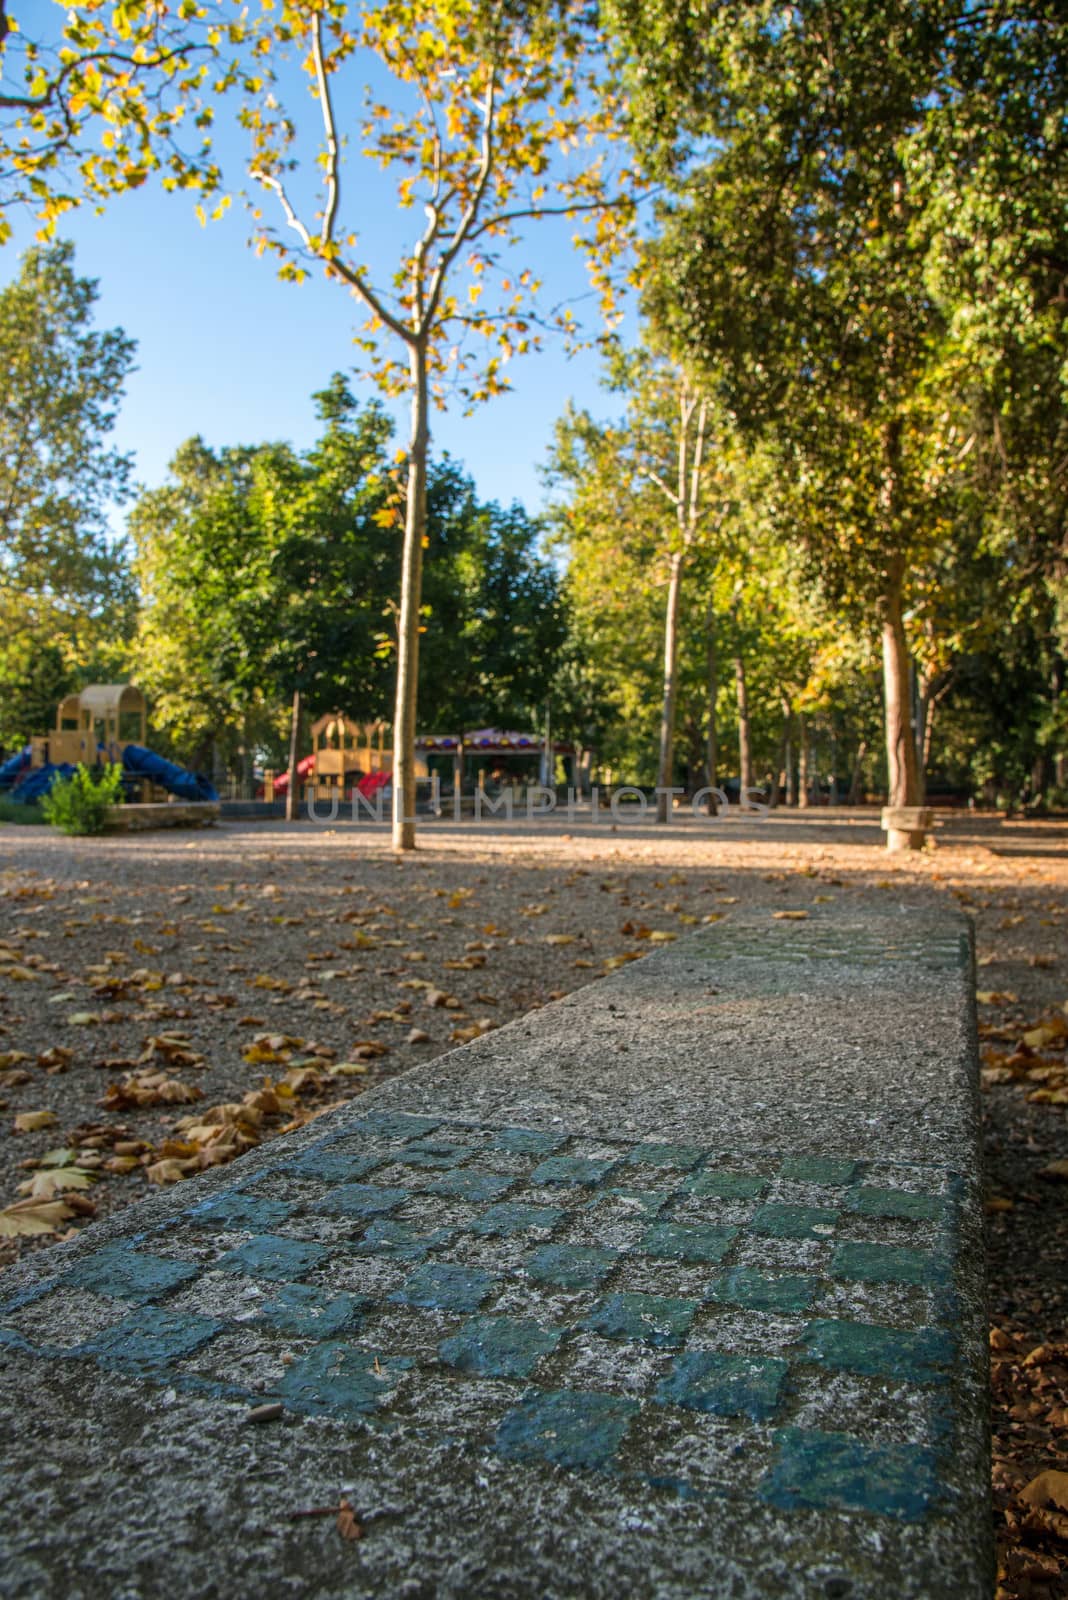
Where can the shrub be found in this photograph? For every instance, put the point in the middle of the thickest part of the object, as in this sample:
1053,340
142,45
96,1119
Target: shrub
79,804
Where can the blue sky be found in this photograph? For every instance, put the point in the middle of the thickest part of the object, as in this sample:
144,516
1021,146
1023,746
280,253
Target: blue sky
227,350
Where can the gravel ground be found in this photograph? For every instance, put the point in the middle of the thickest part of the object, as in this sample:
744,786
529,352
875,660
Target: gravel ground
167,1001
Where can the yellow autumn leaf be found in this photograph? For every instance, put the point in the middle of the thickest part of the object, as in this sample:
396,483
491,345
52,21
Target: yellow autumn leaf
31,1121
1049,1488
789,916
30,1217
43,1185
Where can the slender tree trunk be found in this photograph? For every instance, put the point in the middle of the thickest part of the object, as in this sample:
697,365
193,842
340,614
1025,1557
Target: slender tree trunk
858,774
745,760
901,764
803,778
667,716
292,803
411,594
790,795
712,751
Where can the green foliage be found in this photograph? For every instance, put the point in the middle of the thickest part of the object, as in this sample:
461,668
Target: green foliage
80,803
265,570
65,592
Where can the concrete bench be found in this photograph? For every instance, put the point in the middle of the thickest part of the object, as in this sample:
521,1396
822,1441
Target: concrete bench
673,1288
139,816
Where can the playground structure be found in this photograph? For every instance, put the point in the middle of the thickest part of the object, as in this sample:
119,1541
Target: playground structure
345,755
349,757
104,722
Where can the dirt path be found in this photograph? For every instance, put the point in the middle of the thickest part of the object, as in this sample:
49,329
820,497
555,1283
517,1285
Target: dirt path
168,1001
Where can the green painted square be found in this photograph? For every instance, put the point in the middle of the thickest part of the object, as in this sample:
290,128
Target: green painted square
402,1240
724,1185
870,1202
127,1274
681,1157
725,1385
885,1263
572,1169
306,1312
918,1355
831,1471
566,1428
744,1286
683,1241
335,1378
468,1184
571,1266
434,1154
443,1286
361,1200
526,1141
397,1125
151,1339
270,1256
649,1318
334,1165
794,1222
818,1169
237,1210
511,1216
499,1347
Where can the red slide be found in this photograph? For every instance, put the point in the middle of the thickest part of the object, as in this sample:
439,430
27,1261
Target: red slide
304,769
371,782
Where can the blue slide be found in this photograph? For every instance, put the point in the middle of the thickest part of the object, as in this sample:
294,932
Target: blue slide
10,769
142,763
36,784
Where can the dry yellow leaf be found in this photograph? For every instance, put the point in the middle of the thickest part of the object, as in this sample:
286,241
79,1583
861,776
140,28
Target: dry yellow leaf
43,1185
790,916
1049,1487
31,1121
33,1216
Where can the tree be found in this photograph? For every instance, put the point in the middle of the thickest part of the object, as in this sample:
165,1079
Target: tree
94,98
63,580
492,103
266,573
657,483
795,261
486,98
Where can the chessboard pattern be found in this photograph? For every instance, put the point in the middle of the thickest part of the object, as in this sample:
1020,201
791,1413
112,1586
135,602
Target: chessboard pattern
698,1319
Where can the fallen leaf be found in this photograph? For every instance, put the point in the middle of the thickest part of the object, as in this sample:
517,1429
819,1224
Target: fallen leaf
347,1525
32,1216
1050,1487
43,1185
1055,1171
418,1036
789,916
31,1121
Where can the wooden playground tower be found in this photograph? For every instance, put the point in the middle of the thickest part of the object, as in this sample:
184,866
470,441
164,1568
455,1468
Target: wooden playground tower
343,751
102,718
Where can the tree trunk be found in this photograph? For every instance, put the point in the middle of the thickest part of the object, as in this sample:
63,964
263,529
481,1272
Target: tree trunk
411,595
745,760
901,764
712,751
803,779
667,715
790,786
858,774
292,803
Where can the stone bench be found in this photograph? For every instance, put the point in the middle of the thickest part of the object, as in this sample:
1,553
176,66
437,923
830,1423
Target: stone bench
138,816
673,1288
